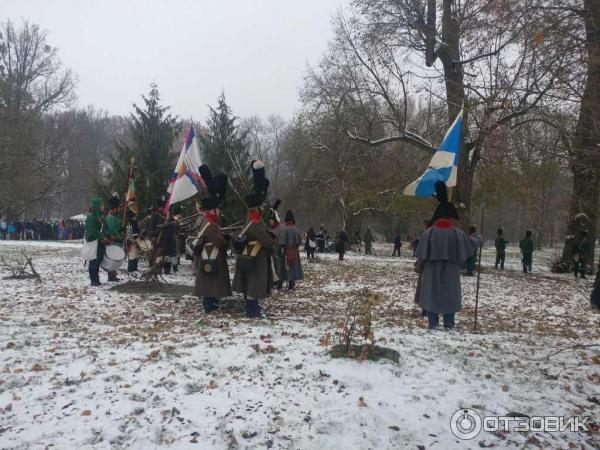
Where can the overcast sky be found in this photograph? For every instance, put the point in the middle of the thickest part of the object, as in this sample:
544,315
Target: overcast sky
256,50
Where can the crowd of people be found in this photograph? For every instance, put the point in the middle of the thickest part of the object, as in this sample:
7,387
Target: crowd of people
45,230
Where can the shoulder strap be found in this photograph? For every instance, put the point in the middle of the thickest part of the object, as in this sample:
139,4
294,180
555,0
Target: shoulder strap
245,229
200,234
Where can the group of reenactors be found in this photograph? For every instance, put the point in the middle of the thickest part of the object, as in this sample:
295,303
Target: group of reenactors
104,228
267,248
581,258
105,225
267,255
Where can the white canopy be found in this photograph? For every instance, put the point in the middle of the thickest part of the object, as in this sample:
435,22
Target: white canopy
78,217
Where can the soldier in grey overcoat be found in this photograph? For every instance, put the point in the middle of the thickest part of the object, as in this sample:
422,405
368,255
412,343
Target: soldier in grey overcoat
440,251
288,244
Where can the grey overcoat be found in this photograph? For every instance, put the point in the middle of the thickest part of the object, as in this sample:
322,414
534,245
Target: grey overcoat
289,236
258,282
213,285
439,254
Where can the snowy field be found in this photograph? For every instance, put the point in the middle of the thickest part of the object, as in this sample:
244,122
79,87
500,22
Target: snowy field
85,367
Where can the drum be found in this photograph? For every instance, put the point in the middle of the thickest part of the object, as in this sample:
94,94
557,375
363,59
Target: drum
113,258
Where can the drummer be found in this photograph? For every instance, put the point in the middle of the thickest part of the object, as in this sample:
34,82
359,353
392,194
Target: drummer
113,230
95,230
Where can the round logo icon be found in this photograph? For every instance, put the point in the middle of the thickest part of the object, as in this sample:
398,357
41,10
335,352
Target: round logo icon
465,423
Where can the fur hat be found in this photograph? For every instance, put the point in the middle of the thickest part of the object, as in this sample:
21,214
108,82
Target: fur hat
258,194
216,188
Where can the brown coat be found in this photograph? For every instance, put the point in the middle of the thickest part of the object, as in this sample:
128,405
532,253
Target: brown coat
258,282
218,284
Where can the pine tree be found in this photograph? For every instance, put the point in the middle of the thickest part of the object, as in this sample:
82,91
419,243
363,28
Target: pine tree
153,131
225,150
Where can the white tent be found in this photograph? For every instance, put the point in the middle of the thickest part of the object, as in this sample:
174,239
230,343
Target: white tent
80,217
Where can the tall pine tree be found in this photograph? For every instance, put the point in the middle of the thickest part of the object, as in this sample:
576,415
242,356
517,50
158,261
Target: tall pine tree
153,131
225,150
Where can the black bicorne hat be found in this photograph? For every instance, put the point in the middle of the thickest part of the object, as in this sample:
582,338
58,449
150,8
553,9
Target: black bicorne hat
445,210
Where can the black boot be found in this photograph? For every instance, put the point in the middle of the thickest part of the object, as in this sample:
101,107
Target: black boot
112,276
132,265
252,309
210,304
94,271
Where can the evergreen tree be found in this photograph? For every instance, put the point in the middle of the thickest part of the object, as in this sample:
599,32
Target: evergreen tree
225,150
153,131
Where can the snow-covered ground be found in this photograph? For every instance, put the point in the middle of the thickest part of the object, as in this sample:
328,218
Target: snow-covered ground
85,367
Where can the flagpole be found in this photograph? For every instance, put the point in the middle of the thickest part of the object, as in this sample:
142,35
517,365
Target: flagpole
478,271
125,203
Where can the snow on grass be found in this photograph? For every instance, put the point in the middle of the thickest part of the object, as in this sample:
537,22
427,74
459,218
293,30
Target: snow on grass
92,368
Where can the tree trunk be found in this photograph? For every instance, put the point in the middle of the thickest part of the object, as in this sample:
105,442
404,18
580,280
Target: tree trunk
449,54
585,158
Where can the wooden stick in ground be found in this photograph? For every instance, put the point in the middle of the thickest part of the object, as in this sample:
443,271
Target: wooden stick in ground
478,272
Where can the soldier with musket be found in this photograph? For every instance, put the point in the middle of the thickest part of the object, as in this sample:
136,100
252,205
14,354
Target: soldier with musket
253,267
210,244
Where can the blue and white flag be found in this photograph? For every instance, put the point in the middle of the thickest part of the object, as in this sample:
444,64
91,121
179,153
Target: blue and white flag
443,165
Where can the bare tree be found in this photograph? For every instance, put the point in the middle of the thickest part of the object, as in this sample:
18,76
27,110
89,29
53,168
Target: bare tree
492,58
32,82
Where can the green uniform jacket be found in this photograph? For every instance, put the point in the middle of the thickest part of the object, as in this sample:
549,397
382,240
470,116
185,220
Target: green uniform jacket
500,244
113,227
526,246
584,246
94,227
